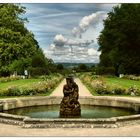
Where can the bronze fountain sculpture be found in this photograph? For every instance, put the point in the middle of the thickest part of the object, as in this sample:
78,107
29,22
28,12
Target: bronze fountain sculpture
70,106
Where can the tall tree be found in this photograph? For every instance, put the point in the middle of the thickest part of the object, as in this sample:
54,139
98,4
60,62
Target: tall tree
119,41
16,42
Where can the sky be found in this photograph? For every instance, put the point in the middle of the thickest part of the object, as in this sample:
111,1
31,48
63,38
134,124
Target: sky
67,32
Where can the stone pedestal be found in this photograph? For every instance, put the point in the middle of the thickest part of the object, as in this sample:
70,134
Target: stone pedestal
70,106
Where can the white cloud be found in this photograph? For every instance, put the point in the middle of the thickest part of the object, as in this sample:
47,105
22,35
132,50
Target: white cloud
79,54
52,47
59,40
75,50
53,15
48,20
94,52
87,21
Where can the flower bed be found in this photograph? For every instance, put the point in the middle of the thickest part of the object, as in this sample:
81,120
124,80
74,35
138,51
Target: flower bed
132,77
8,79
98,86
42,87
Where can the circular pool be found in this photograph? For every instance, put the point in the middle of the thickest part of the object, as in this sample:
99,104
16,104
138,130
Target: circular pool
87,111
97,111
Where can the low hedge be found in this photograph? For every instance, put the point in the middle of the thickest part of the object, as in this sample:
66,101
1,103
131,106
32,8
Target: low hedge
8,79
132,77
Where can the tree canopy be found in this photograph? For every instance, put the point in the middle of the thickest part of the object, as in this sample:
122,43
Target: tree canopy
119,41
18,47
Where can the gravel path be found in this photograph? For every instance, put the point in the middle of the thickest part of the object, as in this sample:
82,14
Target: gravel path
12,130
83,91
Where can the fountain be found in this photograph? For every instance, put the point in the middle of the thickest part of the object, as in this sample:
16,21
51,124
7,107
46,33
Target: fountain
70,111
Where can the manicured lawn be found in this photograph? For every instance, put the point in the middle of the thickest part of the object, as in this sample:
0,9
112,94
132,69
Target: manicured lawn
120,82
19,83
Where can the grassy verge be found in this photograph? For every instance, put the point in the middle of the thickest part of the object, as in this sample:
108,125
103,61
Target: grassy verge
123,83
19,83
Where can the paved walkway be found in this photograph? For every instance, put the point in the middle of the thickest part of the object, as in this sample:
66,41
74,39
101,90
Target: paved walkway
83,91
12,130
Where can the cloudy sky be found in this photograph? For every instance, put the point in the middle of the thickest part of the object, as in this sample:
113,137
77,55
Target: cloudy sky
67,32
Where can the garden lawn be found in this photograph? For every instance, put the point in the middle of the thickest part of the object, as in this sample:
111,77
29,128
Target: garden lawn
19,83
120,82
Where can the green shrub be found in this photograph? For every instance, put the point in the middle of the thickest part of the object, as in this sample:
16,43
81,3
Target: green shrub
102,90
29,91
41,87
105,70
13,91
3,92
37,71
132,77
138,93
133,90
119,91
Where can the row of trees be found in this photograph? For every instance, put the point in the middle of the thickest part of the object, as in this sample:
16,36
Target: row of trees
19,50
81,67
119,41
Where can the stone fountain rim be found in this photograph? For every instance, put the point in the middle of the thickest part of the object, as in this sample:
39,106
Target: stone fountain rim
38,122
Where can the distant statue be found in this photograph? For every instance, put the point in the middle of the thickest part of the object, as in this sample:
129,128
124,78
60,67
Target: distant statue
70,106
26,74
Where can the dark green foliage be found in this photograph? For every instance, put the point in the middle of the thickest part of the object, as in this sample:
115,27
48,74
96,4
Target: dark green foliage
82,67
101,90
20,65
119,91
18,48
13,91
39,64
105,70
38,59
120,39
37,71
60,67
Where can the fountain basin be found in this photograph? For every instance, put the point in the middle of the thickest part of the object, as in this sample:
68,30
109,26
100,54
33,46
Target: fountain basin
87,111
26,121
